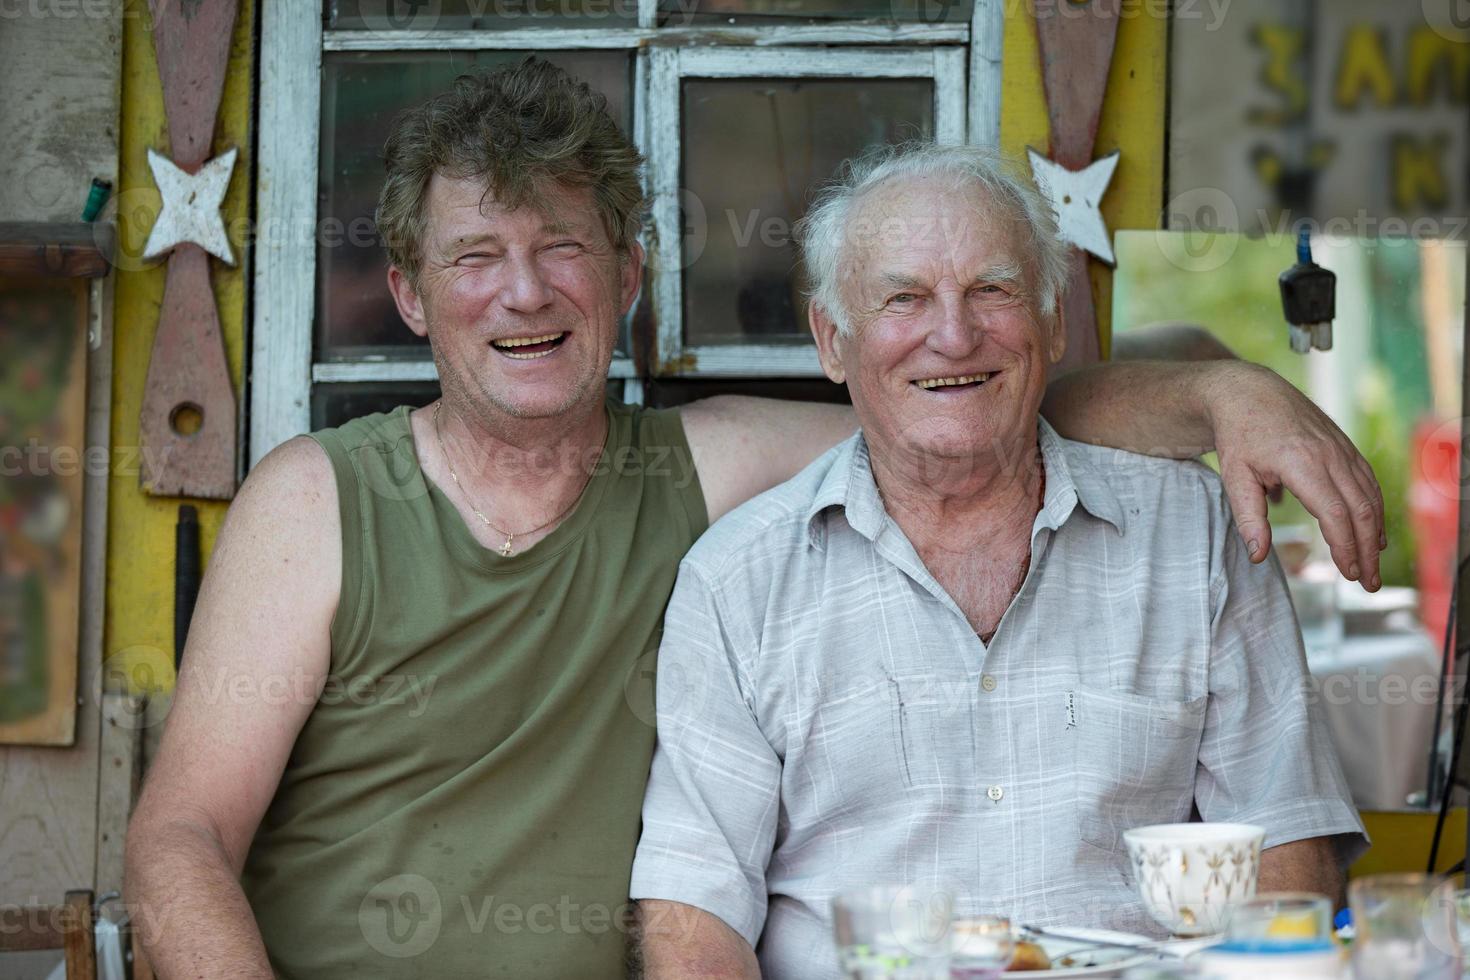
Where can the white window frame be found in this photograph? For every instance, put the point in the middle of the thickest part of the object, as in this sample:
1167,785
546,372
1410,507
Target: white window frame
668,69
282,372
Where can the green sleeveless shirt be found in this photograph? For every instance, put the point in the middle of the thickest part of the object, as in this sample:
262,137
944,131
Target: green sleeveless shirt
464,798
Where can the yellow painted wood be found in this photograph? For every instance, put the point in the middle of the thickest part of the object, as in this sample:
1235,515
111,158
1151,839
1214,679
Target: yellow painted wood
140,546
1401,842
1133,121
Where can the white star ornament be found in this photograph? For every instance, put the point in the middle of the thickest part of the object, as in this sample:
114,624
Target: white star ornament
1075,196
191,206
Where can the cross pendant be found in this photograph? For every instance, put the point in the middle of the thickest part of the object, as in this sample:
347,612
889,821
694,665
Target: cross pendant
506,549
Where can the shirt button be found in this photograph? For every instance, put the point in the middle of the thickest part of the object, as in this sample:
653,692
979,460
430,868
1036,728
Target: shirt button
995,793
987,683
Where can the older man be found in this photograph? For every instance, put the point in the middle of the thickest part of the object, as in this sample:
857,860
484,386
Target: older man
413,727
959,649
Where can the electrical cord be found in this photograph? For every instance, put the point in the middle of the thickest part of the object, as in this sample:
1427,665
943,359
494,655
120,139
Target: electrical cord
1461,715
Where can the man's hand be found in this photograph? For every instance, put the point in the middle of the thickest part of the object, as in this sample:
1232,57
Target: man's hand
1269,435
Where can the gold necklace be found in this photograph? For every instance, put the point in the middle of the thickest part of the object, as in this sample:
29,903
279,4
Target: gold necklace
504,550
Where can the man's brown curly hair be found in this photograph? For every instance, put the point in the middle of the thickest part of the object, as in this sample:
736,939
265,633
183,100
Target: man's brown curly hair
522,129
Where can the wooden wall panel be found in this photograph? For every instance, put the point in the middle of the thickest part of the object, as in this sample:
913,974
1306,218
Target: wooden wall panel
58,128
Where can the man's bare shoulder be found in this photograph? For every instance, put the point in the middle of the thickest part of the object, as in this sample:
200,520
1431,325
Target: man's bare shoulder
286,513
296,474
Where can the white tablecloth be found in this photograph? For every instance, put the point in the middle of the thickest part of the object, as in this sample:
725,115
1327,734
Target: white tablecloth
1378,696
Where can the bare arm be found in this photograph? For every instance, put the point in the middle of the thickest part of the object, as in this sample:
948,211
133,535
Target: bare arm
677,941
743,446
261,628
1173,341
1309,865
1267,433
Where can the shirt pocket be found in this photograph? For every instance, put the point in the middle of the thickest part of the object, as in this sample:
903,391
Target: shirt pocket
933,731
1134,764
847,760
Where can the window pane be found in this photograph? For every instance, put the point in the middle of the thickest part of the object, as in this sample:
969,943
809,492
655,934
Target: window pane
754,150
361,95
333,404
694,13
670,392
461,15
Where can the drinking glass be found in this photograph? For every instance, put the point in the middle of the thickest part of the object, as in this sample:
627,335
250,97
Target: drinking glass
982,947
1177,970
893,932
1289,920
1314,596
1456,892
1406,928
1461,899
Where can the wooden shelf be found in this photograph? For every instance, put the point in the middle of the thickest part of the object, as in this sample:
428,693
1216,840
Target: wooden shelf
56,249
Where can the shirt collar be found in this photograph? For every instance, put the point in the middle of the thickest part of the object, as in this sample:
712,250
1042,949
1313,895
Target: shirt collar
849,484
1071,479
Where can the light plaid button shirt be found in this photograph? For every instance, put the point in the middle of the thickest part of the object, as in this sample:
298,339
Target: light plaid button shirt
828,719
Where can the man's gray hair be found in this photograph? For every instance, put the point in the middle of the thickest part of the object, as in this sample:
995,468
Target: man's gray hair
824,234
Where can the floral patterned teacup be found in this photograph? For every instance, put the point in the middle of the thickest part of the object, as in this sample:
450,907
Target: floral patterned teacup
1191,874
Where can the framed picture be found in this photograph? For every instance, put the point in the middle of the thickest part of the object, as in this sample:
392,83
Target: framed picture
43,460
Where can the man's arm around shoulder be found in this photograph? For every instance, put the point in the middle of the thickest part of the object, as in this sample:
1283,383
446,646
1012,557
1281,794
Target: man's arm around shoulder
262,625
744,446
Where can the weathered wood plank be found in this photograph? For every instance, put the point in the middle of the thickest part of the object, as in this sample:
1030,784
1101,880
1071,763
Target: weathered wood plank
79,935
25,929
56,249
119,773
289,111
59,117
188,375
756,36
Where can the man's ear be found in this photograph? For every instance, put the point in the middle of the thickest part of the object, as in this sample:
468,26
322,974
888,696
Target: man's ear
410,307
824,331
1055,323
630,274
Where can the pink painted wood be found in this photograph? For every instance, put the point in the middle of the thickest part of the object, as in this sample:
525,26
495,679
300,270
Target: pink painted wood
1078,317
192,41
1076,42
188,375
188,381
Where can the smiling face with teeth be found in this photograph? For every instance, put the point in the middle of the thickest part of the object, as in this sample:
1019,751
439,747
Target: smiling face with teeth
948,354
521,306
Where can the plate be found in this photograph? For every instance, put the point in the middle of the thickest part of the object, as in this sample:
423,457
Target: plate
1098,962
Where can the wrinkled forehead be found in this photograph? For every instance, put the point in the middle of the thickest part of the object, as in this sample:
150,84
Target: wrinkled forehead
928,224
462,207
